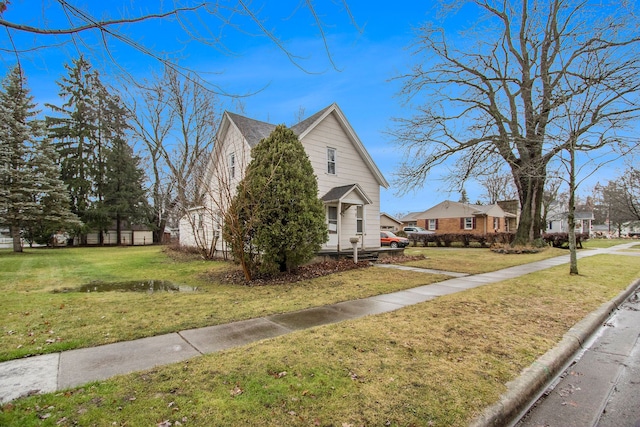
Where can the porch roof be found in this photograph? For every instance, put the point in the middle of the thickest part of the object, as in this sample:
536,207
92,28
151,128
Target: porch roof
339,194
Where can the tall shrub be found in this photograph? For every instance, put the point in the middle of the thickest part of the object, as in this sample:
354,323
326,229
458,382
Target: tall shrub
288,224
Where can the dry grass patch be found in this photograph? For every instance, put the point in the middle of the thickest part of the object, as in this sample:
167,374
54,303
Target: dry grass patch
438,363
476,260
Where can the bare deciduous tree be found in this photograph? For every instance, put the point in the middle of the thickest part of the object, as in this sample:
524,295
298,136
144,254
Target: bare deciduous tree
508,89
618,202
631,186
176,120
498,185
550,196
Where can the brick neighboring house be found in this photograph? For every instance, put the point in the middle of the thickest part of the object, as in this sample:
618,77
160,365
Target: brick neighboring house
412,219
451,217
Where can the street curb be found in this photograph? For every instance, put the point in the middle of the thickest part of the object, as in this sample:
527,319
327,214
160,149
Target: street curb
533,380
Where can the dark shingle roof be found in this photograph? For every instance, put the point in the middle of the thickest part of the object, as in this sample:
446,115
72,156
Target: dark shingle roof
299,128
253,130
336,193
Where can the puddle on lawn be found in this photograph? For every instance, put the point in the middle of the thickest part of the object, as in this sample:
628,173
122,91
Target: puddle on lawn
148,286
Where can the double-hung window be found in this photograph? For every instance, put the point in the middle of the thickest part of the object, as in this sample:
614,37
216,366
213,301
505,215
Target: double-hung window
331,161
359,219
232,165
432,224
468,223
496,224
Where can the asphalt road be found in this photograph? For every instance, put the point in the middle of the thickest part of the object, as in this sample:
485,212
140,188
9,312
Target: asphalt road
602,386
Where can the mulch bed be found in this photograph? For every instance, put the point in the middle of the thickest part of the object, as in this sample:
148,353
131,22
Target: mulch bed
305,272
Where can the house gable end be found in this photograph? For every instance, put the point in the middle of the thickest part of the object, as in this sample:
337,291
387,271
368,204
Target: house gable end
305,127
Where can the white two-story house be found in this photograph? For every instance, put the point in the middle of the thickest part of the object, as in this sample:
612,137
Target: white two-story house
348,180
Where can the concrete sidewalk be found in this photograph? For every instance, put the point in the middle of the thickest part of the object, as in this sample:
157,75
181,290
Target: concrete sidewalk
52,372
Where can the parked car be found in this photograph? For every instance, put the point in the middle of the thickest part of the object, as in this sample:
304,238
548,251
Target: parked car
416,230
387,238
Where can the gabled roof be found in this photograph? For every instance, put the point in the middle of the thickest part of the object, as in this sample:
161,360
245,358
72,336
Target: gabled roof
558,211
307,125
492,210
302,127
338,194
411,216
450,209
254,131
392,218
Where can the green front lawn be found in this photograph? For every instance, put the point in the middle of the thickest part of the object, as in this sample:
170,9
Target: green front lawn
38,315
439,363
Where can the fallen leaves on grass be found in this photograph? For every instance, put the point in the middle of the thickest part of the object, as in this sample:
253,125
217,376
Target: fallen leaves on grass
236,391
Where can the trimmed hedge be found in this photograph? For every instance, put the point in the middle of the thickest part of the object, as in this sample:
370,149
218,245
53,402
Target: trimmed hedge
557,240
466,239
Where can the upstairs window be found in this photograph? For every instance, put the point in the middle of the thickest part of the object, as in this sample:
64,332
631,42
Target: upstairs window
232,165
331,161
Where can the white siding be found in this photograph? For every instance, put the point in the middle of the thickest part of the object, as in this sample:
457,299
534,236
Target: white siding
220,188
351,168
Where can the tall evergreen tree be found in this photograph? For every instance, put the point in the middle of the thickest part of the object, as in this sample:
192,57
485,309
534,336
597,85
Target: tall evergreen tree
111,126
18,130
290,226
51,197
124,194
87,124
32,195
74,133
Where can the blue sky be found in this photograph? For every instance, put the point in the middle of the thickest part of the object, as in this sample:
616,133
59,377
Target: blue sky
367,56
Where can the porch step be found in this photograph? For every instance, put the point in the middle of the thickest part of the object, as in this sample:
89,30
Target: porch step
365,256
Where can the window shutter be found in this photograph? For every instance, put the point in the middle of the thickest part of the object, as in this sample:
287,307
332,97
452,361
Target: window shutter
436,223
461,223
474,223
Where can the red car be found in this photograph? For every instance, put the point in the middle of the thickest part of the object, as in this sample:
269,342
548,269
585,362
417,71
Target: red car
387,238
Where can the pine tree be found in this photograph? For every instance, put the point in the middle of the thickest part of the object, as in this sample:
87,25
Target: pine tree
74,133
51,196
111,126
18,130
463,196
290,225
88,123
124,194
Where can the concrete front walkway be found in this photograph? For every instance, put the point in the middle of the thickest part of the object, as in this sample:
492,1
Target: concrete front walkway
52,372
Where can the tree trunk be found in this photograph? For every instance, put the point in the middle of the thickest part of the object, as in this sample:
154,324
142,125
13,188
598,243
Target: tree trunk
118,230
573,257
17,241
158,233
530,191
